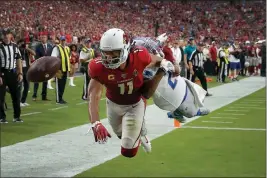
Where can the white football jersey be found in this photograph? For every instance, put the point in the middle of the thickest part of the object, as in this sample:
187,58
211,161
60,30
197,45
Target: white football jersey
170,93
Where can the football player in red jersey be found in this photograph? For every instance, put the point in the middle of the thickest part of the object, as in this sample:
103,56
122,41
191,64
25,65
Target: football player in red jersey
120,70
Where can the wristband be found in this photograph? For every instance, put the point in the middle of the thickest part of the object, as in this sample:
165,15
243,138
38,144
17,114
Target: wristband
20,74
95,123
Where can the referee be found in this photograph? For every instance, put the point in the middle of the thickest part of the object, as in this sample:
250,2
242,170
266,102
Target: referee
10,75
196,68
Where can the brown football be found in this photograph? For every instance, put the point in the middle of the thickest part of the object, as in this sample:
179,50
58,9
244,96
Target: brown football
43,69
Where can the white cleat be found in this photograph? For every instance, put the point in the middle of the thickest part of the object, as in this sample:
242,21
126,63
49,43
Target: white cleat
146,144
22,105
72,85
50,87
26,104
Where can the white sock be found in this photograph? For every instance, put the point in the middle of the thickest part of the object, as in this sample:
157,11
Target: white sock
49,83
71,80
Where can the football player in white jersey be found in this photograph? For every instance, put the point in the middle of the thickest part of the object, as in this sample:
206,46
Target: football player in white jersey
174,93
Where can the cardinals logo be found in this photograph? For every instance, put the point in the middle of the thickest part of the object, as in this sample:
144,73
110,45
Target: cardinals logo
111,77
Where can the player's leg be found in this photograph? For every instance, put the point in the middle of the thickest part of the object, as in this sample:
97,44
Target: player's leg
87,83
84,97
189,107
114,115
145,141
132,123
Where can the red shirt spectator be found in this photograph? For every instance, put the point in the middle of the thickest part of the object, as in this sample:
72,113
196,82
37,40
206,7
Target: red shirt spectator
213,51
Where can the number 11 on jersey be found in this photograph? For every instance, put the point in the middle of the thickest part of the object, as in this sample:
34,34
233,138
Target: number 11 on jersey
129,85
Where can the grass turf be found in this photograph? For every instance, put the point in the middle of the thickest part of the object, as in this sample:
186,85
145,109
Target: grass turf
188,152
50,121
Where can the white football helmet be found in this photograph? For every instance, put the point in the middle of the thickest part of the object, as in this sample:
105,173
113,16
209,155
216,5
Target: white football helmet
112,40
162,38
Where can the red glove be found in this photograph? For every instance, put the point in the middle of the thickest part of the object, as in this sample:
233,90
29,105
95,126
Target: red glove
100,132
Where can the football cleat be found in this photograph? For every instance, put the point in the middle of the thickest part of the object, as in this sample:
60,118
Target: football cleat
203,112
146,144
176,116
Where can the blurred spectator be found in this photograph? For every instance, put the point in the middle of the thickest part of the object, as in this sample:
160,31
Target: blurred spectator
42,49
190,48
218,20
263,58
26,53
86,54
62,51
213,56
74,61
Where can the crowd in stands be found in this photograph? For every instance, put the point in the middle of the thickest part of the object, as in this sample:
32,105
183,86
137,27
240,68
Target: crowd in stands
214,20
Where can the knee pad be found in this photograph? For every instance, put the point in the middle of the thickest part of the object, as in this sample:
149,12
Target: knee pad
129,153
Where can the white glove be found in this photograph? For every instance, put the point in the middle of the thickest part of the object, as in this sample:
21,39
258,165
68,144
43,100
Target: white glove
167,66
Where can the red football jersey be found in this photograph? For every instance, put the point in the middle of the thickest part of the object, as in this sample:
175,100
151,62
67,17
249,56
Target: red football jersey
122,86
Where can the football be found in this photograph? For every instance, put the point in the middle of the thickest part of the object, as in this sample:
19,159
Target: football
43,69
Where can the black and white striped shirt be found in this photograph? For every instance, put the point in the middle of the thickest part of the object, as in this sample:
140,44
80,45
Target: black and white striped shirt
197,58
9,53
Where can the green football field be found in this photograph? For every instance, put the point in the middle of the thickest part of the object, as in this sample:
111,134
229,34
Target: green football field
229,142
203,149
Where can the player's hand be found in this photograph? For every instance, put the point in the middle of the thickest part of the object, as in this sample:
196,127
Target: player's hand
167,66
1,81
20,78
100,132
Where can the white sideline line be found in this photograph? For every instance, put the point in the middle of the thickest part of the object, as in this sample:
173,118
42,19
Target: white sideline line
85,102
232,114
31,113
223,128
257,100
252,102
215,117
218,122
237,110
53,109
83,153
248,107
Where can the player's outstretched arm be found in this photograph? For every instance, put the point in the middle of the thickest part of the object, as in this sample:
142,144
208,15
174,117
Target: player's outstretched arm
149,87
94,91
